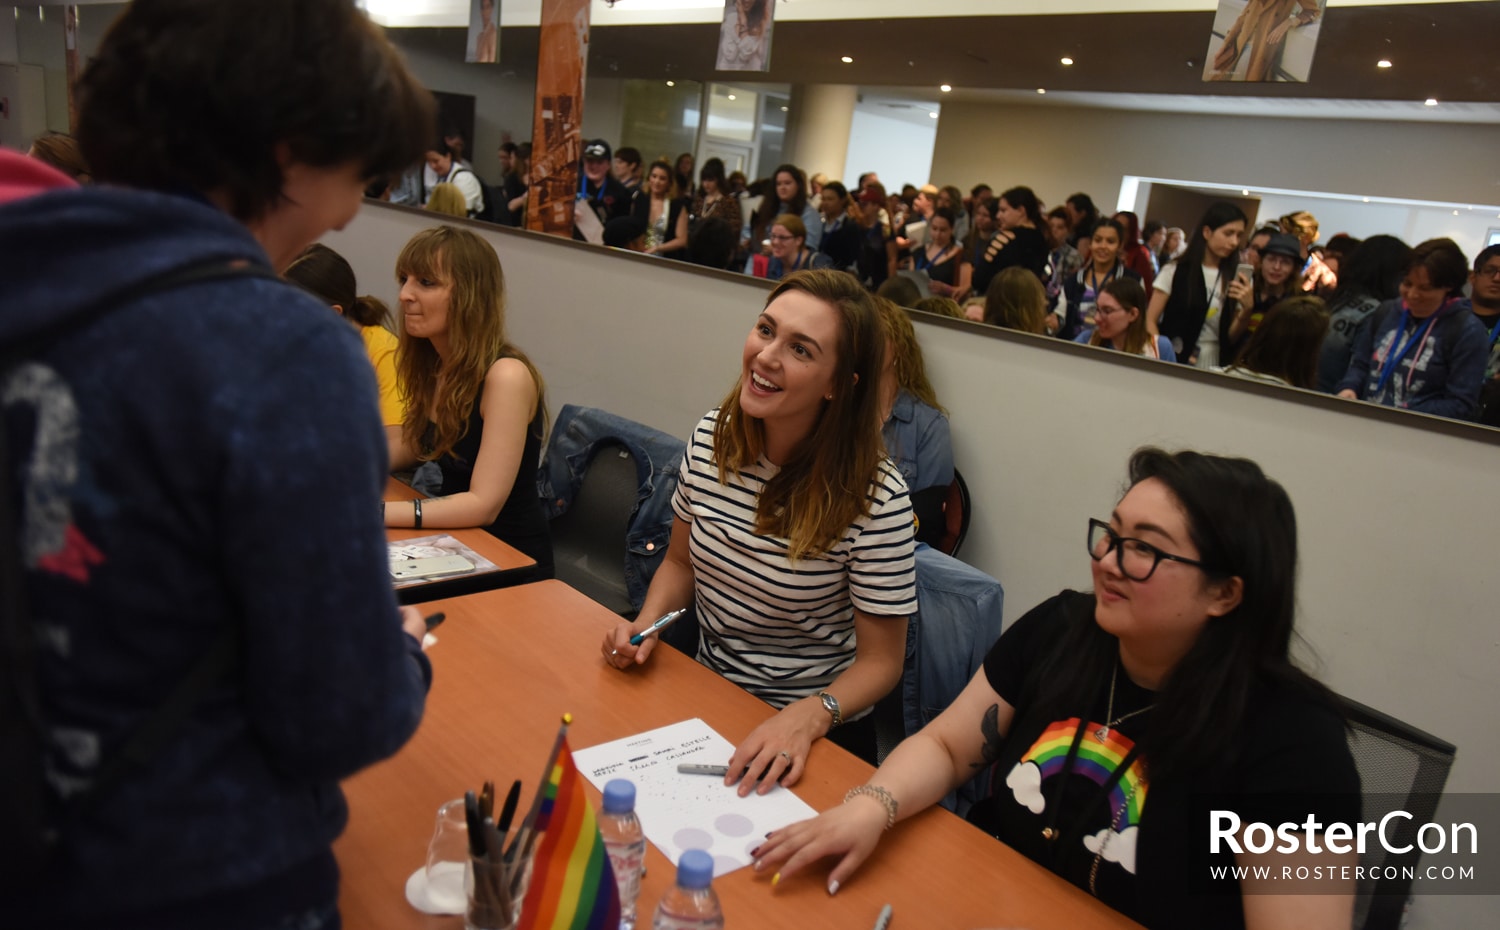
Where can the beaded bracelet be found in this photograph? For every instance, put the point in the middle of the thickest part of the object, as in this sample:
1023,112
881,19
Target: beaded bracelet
880,794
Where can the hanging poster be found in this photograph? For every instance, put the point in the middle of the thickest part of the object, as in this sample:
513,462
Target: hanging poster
745,36
484,32
557,141
1263,40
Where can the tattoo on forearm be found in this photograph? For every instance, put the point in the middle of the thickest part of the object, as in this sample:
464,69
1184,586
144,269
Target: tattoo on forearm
989,728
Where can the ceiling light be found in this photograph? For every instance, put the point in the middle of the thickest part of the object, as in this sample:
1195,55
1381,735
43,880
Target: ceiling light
1066,61
731,96
847,60
671,83
932,114
1041,90
1455,213
1245,193
945,88
783,109
1367,200
1431,101
1383,63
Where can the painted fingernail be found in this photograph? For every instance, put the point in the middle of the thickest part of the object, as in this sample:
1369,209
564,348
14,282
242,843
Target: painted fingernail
833,888
775,879
755,854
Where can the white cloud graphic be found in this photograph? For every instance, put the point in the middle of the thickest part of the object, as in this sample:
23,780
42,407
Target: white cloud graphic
1025,781
1120,849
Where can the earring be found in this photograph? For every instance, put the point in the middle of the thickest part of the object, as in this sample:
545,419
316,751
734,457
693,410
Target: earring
828,397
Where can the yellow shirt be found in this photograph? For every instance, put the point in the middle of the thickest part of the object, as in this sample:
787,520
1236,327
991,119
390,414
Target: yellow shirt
380,345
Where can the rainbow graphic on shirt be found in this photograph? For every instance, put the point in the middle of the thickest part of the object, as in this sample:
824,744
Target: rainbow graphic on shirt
1095,761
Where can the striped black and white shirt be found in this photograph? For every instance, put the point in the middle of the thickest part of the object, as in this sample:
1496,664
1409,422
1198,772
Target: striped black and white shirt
780,629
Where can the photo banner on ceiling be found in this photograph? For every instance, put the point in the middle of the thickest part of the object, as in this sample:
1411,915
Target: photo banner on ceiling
557,135
1263,40
484,33
745,35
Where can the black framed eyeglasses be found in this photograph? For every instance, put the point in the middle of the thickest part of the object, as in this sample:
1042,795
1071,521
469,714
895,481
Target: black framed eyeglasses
1137,559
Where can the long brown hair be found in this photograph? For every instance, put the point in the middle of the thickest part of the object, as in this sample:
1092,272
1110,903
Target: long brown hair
825,485
1131,296
906,352
1288,341
327,274
476,336
1015,300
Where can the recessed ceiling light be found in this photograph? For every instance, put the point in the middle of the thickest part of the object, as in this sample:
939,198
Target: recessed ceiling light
783,109
1367,200
945,88
847,60
1041,90
1383,63
671,83
1431,101
731,96
932,114
1066,61
1455,213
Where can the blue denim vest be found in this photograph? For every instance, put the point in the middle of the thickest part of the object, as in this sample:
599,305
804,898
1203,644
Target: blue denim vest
576,434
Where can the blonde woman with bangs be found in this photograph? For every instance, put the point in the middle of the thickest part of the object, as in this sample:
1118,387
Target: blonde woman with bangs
475,402
915,427
792,540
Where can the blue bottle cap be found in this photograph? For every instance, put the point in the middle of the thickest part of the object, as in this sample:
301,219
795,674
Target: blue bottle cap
695,870
619,796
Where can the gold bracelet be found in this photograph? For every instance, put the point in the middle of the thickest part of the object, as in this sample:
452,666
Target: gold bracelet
880,794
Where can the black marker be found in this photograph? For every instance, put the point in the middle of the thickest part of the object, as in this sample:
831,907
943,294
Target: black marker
693,768
436,620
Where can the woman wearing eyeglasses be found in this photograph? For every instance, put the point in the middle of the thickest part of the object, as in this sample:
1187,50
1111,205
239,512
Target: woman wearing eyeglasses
789,251
1103,718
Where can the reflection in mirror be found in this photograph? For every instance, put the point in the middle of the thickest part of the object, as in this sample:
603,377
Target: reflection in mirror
1372,154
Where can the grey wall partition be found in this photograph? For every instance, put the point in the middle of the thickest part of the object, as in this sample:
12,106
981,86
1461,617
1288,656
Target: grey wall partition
1397,511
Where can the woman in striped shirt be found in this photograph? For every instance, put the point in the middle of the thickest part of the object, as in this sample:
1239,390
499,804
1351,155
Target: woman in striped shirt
793,532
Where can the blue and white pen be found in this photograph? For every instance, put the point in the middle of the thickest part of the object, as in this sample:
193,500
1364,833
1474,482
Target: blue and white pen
656,627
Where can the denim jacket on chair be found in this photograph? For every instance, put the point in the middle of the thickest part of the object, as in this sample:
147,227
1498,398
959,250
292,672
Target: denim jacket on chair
957,621
577,434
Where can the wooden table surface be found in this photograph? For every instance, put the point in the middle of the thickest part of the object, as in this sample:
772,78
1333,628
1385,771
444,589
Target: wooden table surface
508,663
509,561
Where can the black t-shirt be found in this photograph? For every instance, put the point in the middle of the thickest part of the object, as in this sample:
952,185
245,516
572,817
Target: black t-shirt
1022,246
1150,841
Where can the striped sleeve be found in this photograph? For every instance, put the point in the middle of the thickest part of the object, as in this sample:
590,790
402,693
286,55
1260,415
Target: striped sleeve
882,550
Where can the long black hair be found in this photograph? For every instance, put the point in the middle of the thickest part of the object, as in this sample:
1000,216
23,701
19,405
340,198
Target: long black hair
1024,199
1243,525
771,205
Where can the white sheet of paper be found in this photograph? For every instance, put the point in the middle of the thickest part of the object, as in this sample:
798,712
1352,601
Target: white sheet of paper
680,812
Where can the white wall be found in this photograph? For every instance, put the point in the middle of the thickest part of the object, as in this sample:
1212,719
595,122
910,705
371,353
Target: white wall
1057,150
1413,224
898,151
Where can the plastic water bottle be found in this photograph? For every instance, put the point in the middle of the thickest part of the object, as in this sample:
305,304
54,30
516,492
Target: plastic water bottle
691,904
625,843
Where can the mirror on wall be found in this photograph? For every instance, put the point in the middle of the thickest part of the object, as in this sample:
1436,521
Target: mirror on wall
1111,104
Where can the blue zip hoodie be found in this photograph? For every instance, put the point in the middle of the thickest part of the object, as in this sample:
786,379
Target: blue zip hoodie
203,457
1440,374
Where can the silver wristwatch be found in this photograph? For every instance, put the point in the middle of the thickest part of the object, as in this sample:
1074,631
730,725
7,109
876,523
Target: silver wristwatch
831,704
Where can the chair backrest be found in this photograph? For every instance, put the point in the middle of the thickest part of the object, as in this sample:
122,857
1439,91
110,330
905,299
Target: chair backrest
1400,768
956,511
588,542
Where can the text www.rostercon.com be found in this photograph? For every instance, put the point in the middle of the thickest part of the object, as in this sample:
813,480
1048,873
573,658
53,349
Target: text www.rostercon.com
1340,873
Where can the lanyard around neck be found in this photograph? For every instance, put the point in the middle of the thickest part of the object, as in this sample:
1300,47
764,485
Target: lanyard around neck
1418,332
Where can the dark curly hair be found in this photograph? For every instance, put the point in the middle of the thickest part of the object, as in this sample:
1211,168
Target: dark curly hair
187,94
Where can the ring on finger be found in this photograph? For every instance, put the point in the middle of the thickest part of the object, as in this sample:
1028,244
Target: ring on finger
786,755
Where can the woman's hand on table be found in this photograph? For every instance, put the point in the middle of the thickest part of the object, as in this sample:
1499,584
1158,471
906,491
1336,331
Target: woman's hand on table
849,831
776,751
618,651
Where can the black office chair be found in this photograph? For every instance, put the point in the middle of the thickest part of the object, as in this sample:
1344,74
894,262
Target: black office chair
956,512
588,542
1400,768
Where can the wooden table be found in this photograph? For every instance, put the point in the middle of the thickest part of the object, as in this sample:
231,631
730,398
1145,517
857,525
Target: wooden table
508,664
510,562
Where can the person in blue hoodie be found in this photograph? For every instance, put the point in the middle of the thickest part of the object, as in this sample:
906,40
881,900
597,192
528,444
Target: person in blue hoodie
201,468
1424,351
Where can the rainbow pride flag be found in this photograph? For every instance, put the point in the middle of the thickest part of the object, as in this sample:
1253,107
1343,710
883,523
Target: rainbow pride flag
572,884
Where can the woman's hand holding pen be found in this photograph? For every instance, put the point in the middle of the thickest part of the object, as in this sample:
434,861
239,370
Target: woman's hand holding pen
849,831
619,652
776,751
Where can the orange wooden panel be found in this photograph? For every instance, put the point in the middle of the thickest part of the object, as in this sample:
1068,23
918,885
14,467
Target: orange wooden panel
510,662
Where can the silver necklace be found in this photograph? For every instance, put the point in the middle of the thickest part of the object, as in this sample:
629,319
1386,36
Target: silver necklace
1102,734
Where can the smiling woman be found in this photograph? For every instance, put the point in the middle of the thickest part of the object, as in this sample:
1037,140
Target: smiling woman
801,589
1101,715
